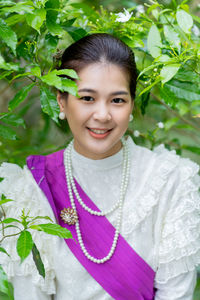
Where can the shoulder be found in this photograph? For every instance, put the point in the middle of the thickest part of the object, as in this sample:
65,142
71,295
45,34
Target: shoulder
162,162
158,179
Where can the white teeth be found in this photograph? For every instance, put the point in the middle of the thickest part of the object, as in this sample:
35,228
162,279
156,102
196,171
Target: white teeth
98,131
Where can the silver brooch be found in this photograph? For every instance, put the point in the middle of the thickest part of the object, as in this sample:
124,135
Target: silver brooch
69,216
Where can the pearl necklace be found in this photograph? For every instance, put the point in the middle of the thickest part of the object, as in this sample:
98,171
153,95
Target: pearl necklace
119,204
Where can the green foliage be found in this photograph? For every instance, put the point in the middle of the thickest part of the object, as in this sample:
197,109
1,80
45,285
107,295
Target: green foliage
24,244
167,54
38,261
5,287
23,227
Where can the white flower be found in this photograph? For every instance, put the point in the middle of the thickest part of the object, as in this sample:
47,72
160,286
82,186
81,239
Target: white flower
136,133
123,17
160,125
196,30
140,8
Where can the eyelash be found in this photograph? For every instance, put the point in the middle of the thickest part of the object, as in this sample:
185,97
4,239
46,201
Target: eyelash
88,99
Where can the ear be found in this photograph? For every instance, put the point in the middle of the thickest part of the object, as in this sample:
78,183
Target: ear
60,101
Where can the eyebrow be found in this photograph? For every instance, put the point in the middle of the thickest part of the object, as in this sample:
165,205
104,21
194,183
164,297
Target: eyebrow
112,94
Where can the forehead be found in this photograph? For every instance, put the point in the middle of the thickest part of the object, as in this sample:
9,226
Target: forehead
104,76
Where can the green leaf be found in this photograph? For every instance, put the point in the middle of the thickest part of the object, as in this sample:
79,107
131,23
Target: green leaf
8,66
7,133
150,86
42,218
196,18
152,66
52,26
10,220
168,72
171,122
172,37
1,179
184,20
5,201
13,19
52,7
4,251
69,72
36,18
38,261
12,119
154,44
145,100
192,149
184,90
51,42
69,86
86,10
164,58
49,103
7,3
19,7
76,33
8,35
133,43
24,244
5,74
52,79
20,96
53,229
62,84
187,75
5,286
168,96
36,71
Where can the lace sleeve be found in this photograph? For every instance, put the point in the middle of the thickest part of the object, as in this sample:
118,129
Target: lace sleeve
179,250
19,185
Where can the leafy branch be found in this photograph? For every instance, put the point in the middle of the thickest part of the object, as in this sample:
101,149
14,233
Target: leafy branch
25,244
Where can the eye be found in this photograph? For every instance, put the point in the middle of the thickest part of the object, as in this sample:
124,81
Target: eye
118,100
87,98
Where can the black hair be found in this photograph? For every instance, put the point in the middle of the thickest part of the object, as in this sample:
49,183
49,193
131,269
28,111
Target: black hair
101,47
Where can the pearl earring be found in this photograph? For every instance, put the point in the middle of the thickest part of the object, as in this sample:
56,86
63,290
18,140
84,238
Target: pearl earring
61,115
130,118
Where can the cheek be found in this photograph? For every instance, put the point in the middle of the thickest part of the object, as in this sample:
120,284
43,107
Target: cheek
122,116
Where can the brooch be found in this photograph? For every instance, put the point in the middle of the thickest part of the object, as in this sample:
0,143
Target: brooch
69,216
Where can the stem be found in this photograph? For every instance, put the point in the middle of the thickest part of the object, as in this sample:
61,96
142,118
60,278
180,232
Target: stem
4,216
175,113
5,236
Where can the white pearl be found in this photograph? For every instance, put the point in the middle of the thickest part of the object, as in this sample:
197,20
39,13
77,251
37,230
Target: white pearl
119,204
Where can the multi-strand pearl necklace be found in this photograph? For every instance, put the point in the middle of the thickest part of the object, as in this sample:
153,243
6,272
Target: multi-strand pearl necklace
72,187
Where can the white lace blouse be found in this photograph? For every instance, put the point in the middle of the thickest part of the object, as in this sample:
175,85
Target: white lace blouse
161,221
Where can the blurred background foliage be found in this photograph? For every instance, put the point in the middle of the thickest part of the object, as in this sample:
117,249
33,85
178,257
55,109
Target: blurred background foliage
165,37
38,32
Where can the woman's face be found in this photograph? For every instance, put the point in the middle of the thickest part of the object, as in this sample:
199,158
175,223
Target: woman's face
99,118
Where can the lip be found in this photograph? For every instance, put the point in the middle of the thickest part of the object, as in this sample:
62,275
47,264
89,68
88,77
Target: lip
99,135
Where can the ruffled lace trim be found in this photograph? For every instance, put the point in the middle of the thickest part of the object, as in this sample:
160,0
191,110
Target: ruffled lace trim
179,250
19,185
164,162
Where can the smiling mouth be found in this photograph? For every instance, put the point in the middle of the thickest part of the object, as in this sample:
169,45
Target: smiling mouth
99,131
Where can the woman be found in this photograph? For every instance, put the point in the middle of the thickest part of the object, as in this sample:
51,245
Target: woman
133,213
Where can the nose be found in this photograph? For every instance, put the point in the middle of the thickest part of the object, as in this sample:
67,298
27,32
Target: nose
102,112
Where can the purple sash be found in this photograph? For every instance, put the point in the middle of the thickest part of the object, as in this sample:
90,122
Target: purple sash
126,276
